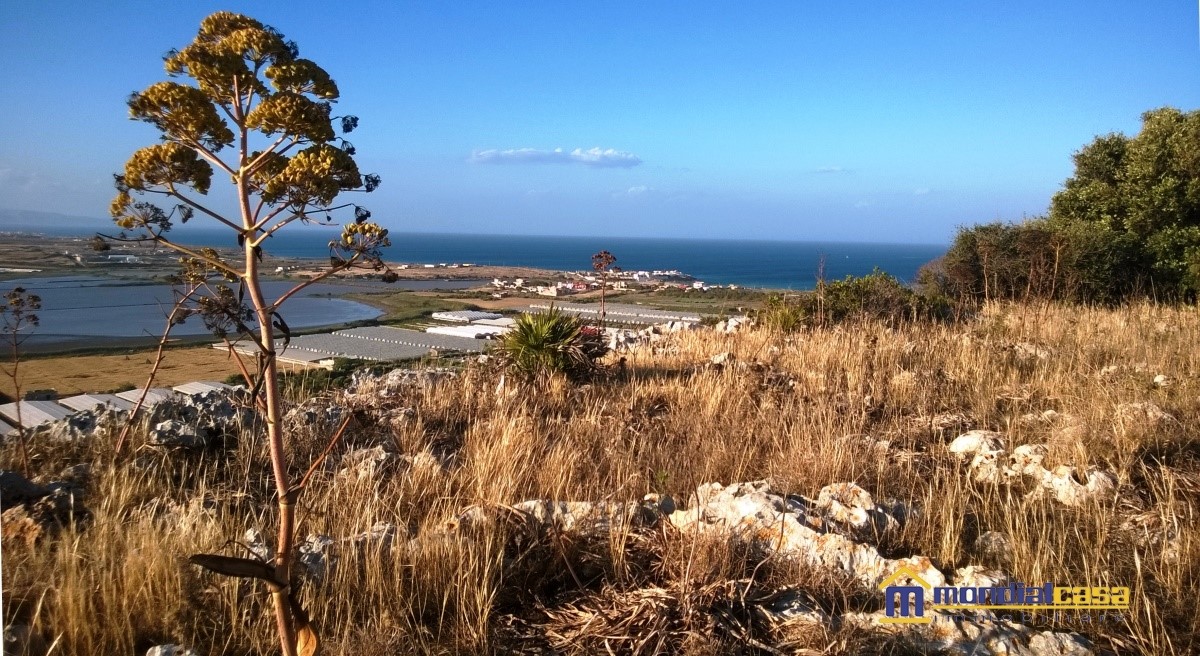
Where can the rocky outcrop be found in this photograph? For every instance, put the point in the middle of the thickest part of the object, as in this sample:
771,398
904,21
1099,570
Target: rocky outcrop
732,324
367,387
824,532
80,425
1143,417
988,461
838,531
543,516
199,418
177,434
190,421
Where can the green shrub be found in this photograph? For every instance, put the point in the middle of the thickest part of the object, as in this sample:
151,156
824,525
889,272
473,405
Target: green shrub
876,296
782,314
551,343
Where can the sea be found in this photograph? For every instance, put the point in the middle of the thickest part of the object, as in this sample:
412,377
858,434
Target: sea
85,310
778,264
767,264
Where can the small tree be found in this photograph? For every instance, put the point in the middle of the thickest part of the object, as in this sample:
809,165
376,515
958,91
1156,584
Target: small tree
243,88
18,316
602,263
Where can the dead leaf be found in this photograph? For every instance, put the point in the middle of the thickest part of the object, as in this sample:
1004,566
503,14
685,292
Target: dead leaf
307,643
236,567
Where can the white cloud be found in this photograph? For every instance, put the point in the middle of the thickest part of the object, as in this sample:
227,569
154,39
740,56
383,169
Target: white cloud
593,157
638,190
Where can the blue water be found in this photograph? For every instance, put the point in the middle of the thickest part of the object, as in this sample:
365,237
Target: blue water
767,264
75,308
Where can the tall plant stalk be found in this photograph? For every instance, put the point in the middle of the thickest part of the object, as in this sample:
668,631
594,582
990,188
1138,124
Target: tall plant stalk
247,89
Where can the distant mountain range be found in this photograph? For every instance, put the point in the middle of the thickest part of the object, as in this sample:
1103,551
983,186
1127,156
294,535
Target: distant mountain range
50,222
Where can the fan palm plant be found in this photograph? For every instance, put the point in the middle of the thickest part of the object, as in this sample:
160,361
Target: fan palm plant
548,343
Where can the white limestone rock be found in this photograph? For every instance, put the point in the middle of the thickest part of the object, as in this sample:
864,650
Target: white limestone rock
316,555
369,464
976,442
1029,351
983,449
749,511
174,433
170,650
1143,416
258,545
1073,487
1026,460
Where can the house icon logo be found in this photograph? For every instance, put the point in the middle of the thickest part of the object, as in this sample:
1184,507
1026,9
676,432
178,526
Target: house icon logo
904,604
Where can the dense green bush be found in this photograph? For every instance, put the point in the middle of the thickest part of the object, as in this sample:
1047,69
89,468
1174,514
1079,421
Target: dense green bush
1125,225
1043,258
551,343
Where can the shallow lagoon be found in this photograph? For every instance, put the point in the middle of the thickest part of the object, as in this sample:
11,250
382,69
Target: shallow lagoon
75,308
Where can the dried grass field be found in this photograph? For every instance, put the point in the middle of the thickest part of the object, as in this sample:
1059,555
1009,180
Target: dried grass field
80,374
423,545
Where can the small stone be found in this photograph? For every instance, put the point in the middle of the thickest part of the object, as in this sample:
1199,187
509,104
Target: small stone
368,464
170,650
380,535
258,545
977,442
316,555
994,546
662,503
721,359
20,526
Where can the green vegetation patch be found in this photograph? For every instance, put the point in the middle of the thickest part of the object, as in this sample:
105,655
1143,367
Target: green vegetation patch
403,307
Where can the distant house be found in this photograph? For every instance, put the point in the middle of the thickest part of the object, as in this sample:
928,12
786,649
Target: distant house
124,259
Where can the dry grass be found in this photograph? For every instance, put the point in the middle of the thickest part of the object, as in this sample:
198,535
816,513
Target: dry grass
78,374
668,423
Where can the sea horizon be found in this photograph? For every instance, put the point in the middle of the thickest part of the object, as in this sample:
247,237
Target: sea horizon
768,264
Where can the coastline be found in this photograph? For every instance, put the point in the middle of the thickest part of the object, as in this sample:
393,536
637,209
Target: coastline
32,255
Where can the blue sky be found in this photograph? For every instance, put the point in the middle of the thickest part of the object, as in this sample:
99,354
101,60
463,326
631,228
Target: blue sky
854,121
